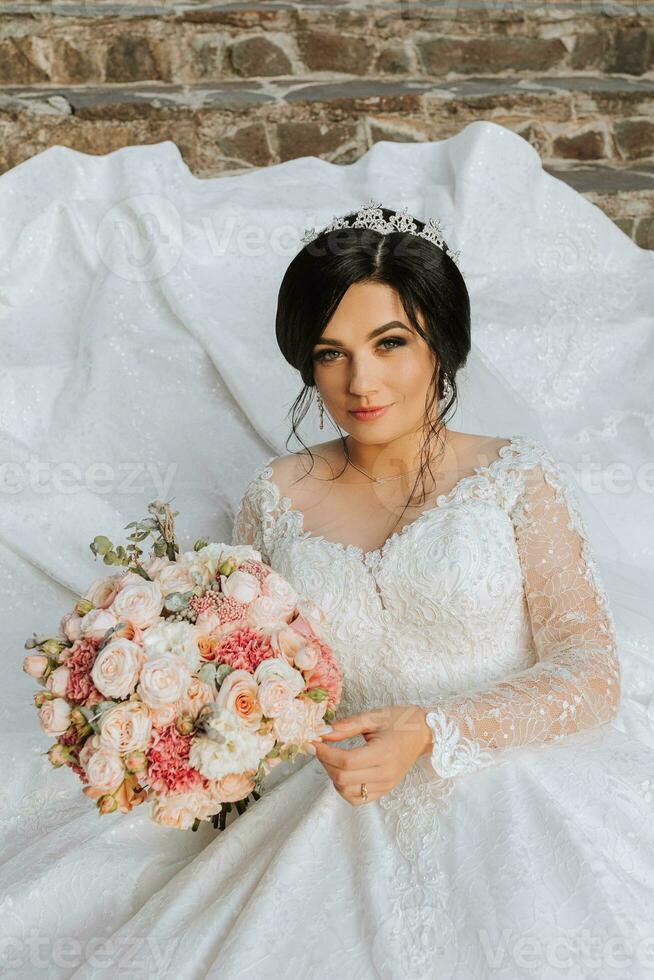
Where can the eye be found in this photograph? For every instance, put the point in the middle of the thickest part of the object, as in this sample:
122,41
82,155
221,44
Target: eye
395,341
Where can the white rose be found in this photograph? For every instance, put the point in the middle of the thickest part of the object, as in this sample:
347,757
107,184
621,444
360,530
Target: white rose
155,564
103,591
277,667
239,752
175,578
54,716
241,586
300,722
116,668
96,623
127,727
173,639
57,681
205,562
105,770
164,680
278,588
139,602
266,613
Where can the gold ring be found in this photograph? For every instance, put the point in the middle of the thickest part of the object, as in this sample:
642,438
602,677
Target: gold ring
364,792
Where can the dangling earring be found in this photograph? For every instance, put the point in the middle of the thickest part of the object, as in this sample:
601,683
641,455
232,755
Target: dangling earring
321,409
447,388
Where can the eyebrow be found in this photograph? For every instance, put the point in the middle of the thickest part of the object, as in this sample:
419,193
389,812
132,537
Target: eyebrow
373,333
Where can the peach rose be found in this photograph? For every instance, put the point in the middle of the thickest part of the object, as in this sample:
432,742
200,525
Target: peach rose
277,587
70,626
103,591
35,665
140,602
57,681
116,669
126,728
180,810
241,586
54,716
164,680
239,692
96,623
105,770
233,787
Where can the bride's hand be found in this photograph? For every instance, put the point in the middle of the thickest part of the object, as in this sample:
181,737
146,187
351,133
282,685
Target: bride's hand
396,735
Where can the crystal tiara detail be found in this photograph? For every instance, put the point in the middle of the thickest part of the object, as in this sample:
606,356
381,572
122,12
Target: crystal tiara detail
370,216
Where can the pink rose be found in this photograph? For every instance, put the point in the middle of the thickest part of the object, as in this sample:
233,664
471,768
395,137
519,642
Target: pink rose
70,626
35,665
54,716
239,693
96,623
57,681
139,602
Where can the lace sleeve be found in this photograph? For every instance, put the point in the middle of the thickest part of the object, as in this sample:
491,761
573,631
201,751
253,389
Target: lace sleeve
248,522
576,682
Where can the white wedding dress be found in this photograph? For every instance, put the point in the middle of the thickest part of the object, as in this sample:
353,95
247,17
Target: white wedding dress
524,845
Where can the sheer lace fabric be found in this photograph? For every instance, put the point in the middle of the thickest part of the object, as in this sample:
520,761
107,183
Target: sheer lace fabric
512,540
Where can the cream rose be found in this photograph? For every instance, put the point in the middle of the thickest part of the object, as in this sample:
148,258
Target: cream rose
266,613
164,680
115,671
241,586
307,657
105,770
239,693
234,787
163,716
91,745
197,695
54,716
173,639
300,722
96,623
156,564
126,728
35,665
175,578
57,681
139,602
278,588
103,591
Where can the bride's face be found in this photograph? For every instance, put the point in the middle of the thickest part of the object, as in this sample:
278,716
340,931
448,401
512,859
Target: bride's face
354,370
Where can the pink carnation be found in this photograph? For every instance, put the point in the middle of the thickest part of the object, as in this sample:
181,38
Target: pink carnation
326,674
80,688
244,649
168,768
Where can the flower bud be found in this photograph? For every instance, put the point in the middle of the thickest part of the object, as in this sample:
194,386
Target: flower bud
41,697
35,665
107,803
58,754
228,566
184,724
83,606
51,647
77,717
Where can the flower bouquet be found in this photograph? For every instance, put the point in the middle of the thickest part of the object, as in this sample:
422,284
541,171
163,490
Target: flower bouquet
183,679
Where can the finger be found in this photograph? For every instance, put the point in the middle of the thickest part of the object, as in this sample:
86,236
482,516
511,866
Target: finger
353,795
366,721
353,777
367,755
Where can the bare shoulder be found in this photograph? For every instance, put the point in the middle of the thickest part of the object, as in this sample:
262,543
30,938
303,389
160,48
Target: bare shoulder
293,467
477,450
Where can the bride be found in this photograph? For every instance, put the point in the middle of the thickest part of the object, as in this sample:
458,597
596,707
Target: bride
483,806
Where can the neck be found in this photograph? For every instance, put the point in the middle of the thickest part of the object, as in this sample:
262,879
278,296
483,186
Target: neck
390,459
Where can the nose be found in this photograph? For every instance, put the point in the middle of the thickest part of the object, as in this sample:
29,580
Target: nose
363,379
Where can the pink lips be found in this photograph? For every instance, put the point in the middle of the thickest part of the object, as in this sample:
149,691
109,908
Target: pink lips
363,415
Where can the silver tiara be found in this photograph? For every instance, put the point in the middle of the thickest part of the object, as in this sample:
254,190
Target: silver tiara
370,216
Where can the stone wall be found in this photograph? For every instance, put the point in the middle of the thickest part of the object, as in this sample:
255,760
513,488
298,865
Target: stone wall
240,85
